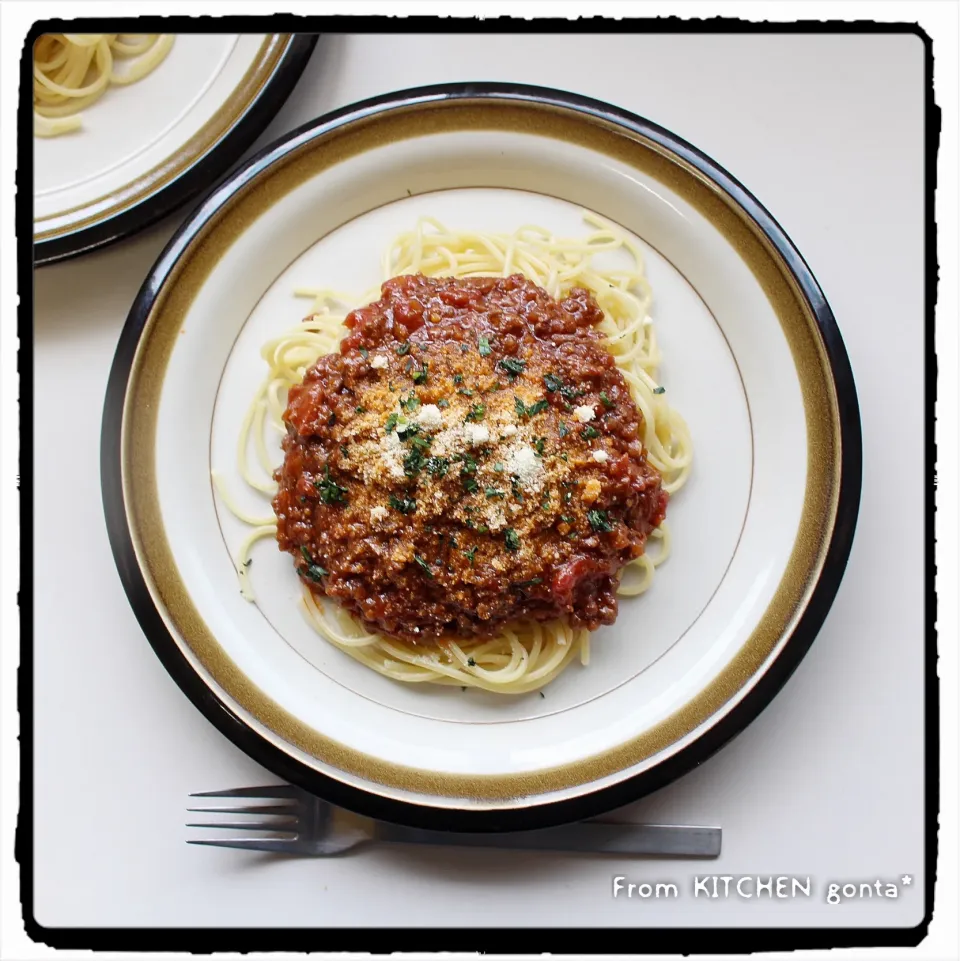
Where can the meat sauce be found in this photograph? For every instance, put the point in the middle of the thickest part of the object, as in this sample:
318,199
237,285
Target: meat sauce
470,458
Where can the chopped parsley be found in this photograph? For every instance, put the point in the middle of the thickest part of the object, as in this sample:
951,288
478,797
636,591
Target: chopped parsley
443,403
564,430
391,422
659,390
512,539
552,382
364,353
513,366
471,662
458,378
469,464
599,521
498,467
476,413
605,400
330,491
404,348
515,488
566,518
589,432
538,444
410,403
406,505
360,409
484,347
523,585
424,565
470,484
343,451
313,571
465,392
331,420
470,555
492,492
437,466
414,462
420,376
537,407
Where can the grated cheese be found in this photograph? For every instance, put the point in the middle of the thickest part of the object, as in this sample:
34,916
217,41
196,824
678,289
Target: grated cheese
378,362
523,464
429,416
600,456
584,413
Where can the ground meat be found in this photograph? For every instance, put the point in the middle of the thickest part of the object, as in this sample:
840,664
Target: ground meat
470,458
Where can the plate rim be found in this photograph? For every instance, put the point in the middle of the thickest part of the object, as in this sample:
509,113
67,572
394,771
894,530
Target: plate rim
202,170
538,813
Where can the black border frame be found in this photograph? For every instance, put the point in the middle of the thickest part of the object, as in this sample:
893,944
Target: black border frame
533,940
197,177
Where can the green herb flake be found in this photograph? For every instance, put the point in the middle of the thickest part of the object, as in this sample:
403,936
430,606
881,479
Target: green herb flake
523,585
599,521
470,555
511,539
458,378
513,366
476,413
471,662
343,451
391,422
404,348
552,382
605,400
443,403
406,505
420,376
564,430
483,344
364,353
410,403
465,392
470,484
589,432
538,445
330,491
498,467
360,409
331,420
423,565
313,571
492,492
437,466
659,390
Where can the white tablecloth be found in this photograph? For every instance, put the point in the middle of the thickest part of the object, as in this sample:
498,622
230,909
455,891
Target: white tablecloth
828,132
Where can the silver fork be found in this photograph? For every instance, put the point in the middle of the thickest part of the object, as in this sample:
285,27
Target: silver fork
304,825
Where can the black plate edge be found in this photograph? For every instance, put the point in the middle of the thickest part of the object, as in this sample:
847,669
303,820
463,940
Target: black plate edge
537,815
198,177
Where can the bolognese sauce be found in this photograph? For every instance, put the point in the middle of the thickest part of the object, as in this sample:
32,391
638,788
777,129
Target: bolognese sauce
470,458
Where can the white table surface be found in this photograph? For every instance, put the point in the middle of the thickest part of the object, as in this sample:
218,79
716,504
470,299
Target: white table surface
828,132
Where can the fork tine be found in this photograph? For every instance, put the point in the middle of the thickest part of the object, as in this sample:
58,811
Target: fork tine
277,827
284,809
269,791
274,845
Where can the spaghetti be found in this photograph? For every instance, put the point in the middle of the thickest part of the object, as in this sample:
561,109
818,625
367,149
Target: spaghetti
529,655
71,71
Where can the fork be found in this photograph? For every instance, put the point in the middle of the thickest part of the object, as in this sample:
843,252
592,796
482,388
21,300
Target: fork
308,826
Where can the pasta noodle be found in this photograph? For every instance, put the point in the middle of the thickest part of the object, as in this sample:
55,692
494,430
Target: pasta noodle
71,71
530,655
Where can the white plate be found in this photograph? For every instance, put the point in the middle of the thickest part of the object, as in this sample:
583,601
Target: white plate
761,530
144,148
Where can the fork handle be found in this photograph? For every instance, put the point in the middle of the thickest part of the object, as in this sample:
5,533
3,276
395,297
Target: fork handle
595,837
